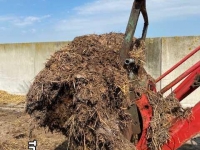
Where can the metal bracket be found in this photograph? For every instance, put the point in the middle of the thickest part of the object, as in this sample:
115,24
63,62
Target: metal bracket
196,82
135,117
132,110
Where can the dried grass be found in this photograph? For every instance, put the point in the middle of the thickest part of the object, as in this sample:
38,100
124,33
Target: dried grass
165,112
6,98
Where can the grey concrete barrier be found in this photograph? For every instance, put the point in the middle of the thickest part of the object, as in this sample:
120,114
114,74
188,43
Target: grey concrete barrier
21,62
163,53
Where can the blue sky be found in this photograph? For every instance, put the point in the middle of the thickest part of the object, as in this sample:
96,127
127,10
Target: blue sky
62,20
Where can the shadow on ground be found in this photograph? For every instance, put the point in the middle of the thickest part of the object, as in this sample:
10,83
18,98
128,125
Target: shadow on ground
14,131
62,146
194,144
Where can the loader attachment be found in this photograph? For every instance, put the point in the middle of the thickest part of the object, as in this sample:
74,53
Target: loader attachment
184,129
129,64
181,130
138,6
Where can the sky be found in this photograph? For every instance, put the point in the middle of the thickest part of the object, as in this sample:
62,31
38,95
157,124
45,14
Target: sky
62,20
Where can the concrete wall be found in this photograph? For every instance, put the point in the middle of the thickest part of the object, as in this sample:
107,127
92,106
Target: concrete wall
163,53
19,63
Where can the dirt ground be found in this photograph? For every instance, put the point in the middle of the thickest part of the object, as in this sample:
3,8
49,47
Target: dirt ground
14,133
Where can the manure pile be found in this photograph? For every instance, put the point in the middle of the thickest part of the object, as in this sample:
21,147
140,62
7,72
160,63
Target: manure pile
83,91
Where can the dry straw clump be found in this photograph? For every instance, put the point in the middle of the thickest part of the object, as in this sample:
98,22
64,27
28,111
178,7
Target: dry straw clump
83,90
6,98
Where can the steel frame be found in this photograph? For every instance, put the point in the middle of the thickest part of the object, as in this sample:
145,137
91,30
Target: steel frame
181,130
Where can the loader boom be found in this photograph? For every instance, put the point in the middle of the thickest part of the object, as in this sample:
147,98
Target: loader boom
181,130
138,6
129,64
141,110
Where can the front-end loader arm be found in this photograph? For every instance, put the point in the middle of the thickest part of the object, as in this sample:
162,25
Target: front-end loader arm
129,64
182,129
141,111
138,6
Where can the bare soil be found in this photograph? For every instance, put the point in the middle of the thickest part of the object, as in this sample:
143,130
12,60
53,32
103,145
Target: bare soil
14,133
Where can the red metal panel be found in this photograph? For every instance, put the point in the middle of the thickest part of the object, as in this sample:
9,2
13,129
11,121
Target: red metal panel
178,64
185,88
146,114
183,130
182,76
